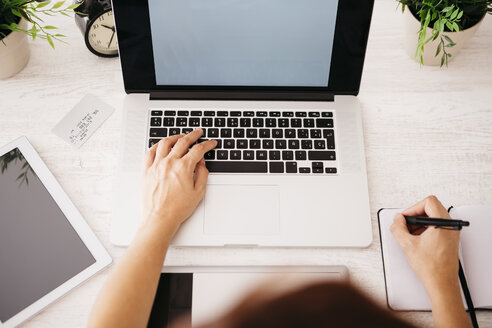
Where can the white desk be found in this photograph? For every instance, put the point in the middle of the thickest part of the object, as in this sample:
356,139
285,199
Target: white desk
427,130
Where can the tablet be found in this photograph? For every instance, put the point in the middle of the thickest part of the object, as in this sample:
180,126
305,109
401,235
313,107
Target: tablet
46,247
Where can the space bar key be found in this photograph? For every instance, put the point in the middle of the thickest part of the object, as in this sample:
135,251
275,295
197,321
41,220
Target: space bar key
237,167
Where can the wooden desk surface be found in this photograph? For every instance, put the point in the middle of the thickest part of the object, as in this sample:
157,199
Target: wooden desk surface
427,131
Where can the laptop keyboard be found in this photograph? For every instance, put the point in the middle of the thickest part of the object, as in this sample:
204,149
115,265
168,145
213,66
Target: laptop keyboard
288,142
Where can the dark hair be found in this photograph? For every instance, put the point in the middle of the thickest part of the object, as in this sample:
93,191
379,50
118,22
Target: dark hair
319,305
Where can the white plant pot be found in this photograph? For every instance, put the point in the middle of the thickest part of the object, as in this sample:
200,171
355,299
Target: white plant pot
412,27
14,52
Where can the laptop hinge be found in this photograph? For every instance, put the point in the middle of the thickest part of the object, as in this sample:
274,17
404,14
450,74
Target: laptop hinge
242,95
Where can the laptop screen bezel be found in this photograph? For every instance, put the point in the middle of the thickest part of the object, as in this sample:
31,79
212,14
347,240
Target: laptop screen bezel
137,61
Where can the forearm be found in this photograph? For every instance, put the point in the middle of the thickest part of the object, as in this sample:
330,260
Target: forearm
447,305
126,298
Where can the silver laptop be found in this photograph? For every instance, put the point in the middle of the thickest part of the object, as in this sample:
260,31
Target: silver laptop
275,82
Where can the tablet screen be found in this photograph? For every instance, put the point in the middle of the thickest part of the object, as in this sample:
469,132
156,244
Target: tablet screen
39,249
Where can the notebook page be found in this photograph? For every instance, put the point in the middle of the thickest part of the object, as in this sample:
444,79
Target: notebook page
476,241
404,289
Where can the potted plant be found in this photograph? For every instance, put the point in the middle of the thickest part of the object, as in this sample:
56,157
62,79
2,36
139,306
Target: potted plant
15,15
435,30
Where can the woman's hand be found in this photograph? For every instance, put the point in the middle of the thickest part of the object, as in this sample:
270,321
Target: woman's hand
433,255
175,179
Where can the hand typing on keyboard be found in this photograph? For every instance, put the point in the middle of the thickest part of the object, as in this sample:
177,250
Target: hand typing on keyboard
175,178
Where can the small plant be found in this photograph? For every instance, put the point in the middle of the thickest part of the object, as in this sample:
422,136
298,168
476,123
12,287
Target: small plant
444,16
11,12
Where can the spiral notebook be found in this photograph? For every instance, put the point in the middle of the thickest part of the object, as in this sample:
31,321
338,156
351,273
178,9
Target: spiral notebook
404,290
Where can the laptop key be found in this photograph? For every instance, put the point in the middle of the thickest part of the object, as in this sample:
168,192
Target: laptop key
324,123
318,170
302,133
301,114
308,123
296,123
288,114
245,122
209,113
321,155
317,167
174,131
235,113
153,142
156,113
238,133
237,167
219,144
196,113
232,122
225,133
181,121
314,114
270,123
229,143
222,113
287,155
277,133
183,113
222,154
293,144
207,121
169,113
330,138
168,121
307,144
213,133
235,154
330,170
251,133
258,122
304,170
283,122
158,132
280,144
291,167
242,144
155,121
327,114
274,155
209,154
290,133
220,122
315,133
264,133
300,155
248,155
319,144
261,155
186,130
276,167
249,114
267,144
255,144
274,114
194,121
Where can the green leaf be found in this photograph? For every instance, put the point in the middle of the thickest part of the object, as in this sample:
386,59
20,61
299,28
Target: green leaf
50,41
448,38
15,12
450,26
434,15
460,15
42,4
450,45
447,9
455,13
442,60
49,27
439,47
456,27
58,5
75,5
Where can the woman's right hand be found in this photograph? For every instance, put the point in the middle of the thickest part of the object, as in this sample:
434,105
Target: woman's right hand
432,254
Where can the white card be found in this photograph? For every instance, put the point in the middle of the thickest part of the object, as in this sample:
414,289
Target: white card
83,120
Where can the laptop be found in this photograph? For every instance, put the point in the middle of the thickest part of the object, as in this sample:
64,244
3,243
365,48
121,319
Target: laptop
276,83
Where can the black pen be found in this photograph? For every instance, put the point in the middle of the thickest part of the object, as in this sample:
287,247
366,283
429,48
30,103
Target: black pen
437,222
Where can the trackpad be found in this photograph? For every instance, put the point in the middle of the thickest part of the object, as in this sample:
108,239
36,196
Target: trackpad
241,210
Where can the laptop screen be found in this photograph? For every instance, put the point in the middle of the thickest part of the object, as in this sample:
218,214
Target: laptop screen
279,43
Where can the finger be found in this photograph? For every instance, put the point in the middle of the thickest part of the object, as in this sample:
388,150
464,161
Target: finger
150,155
165,145
430,206
182,146
197,151
201,176
400,231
